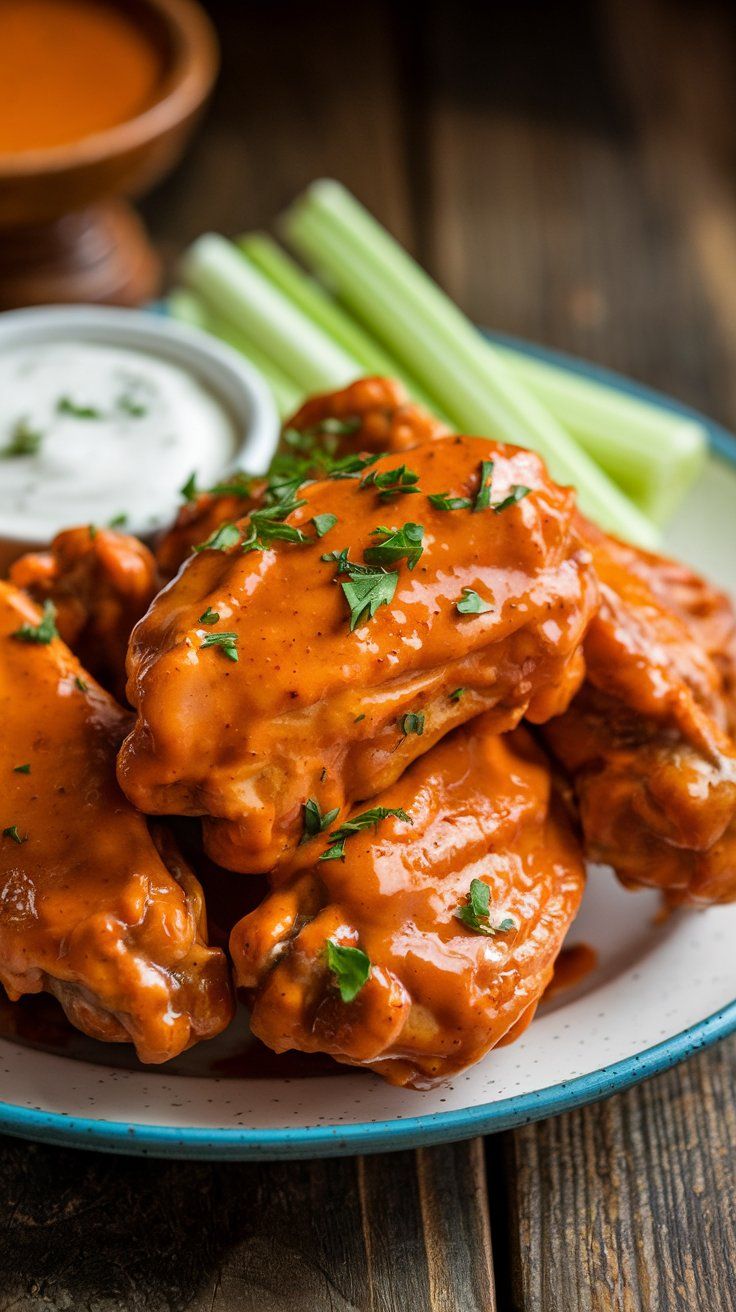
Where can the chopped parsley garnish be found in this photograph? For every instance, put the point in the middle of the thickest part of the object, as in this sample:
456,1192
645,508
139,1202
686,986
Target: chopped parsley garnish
209,616
397,544
66,406
358,718
344,565
517,493
21,769
351,968
118,521
13,832
365,591
224,537
81,685
315,821
336,850
476,911
471,604
129,405
284,486
323,524
351,466
441,501
227,642
93,530
190,491
483,495
43,632
267,525
457,694
239,484
413,722
392,482
25,440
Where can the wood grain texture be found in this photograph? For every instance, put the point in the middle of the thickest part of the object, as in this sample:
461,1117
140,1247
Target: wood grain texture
379,1234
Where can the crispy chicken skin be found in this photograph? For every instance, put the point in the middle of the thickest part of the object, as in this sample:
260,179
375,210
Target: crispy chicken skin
100,582
92,909
372,414
647,740
311,709
440,994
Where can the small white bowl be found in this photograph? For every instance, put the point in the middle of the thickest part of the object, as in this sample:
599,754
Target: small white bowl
238,387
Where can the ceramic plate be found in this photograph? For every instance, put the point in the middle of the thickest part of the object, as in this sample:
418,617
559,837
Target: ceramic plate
660,991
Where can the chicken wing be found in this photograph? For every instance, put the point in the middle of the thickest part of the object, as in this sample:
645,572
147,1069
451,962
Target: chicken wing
100,582
647,740
434,937
92,909
318,652
372,414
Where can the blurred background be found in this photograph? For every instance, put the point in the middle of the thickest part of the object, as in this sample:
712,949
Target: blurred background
566,171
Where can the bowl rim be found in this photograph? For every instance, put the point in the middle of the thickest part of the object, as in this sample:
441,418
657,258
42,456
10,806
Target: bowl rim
196,60
230,378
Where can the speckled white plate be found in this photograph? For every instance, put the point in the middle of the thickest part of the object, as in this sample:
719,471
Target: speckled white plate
660,991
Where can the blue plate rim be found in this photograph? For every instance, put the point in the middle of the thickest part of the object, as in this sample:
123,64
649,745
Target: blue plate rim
442,1127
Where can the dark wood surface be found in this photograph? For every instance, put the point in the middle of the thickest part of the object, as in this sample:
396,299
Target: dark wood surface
569,173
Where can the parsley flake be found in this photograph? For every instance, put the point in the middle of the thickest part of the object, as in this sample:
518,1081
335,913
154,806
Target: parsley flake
336,850
365,591
517,493
457,694
350,966
66,406
227,642
118,521
397,544
471,604
21,769
13,832
441,501
224,537
81,685
413,722
315,821
483,495
25,440
351,466
190,491
476,913
323,524
267,525
392,482
239,484
130,405
43,632
209,616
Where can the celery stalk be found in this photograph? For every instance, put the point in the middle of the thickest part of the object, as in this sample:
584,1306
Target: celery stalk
417,322
188,308
653,455
239,294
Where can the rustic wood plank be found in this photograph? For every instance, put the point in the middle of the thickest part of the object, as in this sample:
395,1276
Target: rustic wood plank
378,1234
630,1206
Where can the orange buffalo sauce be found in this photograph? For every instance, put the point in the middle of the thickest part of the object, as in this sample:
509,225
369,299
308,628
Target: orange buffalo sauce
70,68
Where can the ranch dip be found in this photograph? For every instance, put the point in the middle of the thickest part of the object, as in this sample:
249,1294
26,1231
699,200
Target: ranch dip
92,434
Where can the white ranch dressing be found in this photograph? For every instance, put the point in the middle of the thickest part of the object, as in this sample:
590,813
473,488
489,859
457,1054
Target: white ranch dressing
101,432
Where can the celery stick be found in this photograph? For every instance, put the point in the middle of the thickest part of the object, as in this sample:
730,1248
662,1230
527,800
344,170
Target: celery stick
654,455
418,322
311,297
188,308
239,294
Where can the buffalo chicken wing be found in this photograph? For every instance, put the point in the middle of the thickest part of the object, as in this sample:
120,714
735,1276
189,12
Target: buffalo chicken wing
430,935
318,652
92,909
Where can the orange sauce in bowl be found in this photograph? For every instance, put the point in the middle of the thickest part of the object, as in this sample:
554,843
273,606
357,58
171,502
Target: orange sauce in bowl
69,69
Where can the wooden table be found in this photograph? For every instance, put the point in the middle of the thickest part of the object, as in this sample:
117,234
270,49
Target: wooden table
569,175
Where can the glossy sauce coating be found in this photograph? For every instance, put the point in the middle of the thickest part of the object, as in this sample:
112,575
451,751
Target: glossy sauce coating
647,740
100,582
311,709
440,994
91,908
372,414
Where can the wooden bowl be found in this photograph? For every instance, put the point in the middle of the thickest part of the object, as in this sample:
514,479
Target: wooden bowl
67,229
